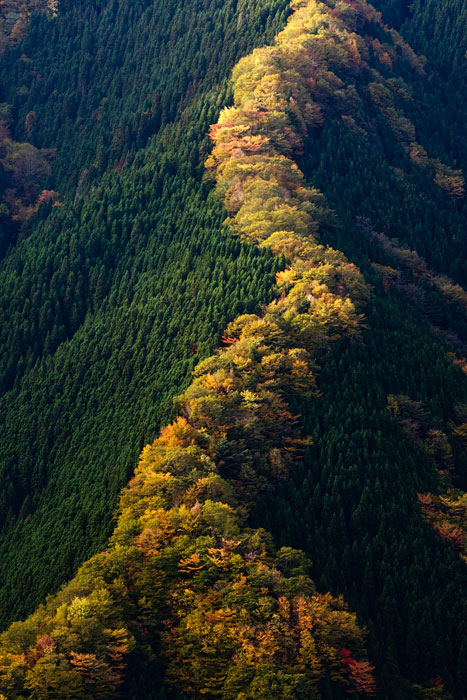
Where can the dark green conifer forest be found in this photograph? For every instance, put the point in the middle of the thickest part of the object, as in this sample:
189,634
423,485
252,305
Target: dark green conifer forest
233,341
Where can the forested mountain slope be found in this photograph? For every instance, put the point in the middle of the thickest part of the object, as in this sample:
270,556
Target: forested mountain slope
377,499
114,296
197,590
435,29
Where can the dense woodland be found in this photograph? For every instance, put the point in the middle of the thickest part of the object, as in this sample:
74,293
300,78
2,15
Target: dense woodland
119,319
125,258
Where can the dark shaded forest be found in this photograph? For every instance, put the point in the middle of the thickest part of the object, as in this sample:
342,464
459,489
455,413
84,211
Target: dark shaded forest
326,213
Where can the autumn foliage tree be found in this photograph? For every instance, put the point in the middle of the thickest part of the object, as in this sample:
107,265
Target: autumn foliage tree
232,616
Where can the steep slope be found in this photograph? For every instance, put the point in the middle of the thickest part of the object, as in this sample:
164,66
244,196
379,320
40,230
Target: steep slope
366,158
184,581
23,168
15,16
435,29
184,578
109,301
354,505
344,96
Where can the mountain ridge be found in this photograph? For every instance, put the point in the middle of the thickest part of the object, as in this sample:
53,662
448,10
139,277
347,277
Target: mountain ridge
252,179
